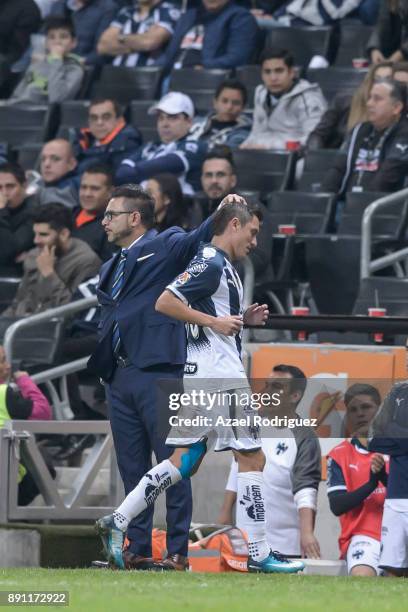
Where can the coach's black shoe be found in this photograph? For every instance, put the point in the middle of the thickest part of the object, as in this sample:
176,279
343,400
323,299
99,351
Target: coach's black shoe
137,562
177,563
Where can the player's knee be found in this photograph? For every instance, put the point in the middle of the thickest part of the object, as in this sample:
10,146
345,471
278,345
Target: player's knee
191,458
363,570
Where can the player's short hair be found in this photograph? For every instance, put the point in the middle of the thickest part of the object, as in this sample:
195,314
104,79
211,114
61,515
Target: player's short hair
221,152
59,23
271,53
57,216
233,84
243,212
362,389
14,169
100,169
102,99
137,198
298,382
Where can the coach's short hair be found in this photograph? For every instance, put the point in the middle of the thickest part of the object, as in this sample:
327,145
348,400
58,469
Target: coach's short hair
271,53
362,389
57,216
243,212
102,99
137,199
221,152
298,382
99,168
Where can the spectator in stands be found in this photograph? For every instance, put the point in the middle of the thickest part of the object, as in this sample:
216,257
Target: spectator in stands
176,152
94,193
291,474
346,111
58,180
171,207
227,124
319,12
377,149
356,481
139,33
27,402
210,35
18,20
389,39
400,72
58,76
218,179
90,19
285,108
55,267
16,225
107,139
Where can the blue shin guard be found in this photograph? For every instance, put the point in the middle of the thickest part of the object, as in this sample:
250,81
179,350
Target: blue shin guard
191,458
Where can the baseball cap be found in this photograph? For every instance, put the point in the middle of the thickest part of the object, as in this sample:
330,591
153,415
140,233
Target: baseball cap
173,103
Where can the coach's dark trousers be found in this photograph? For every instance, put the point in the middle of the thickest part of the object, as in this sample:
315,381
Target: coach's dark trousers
134,415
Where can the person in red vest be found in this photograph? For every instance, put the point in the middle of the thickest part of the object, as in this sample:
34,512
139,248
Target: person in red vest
356,484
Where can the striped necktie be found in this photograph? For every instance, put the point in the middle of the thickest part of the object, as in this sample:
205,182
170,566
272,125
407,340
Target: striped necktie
115,292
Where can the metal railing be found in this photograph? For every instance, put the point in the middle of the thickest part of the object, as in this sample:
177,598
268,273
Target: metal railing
368,266
47,315
18,442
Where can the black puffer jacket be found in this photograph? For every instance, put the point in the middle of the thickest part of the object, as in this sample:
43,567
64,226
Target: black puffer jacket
391,31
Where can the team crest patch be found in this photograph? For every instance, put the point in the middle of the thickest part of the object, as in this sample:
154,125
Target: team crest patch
183,278
197,268
209,252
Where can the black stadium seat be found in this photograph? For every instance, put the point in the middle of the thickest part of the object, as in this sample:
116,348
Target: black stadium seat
317,163
73,114
353,40
20,125
138,117
303,42
126,84
310,212
335,80
28,155
250,76
383,292
389,223
264,171
200,85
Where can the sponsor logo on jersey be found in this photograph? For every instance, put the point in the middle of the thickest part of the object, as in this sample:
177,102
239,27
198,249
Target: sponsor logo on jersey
183,278
190,368
195,269
281,448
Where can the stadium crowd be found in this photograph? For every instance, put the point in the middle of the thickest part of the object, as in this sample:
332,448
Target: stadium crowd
194,100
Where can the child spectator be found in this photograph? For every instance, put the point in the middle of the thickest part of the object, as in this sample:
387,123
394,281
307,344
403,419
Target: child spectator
58,76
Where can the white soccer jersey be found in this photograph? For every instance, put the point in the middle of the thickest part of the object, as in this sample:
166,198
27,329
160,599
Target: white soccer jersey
211,285
291,476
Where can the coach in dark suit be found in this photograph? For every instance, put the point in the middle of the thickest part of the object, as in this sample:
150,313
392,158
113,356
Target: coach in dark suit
139,346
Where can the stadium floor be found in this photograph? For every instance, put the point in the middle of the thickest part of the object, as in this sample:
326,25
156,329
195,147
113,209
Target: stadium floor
99,590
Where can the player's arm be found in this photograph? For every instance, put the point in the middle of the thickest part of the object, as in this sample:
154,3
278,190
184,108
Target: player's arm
340,499
172,306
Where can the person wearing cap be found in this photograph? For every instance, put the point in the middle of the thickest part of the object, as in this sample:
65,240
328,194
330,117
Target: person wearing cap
175,151
212,34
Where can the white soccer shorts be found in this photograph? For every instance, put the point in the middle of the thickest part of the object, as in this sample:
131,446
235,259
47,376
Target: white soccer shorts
394,539
363,550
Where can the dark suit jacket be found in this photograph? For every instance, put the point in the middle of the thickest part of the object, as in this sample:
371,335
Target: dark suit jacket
148,337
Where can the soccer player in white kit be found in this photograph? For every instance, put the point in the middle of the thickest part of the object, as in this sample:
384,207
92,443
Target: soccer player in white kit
208,297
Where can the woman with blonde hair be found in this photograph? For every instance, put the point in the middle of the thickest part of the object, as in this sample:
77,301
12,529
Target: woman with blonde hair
346,111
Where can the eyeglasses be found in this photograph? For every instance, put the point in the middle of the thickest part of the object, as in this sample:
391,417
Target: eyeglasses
109,214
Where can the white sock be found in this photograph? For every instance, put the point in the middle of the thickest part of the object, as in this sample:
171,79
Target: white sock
154,482
251,508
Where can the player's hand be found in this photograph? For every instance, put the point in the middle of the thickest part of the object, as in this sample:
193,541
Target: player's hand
256,314
228,326
377,463
46,261
309,546
232,198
